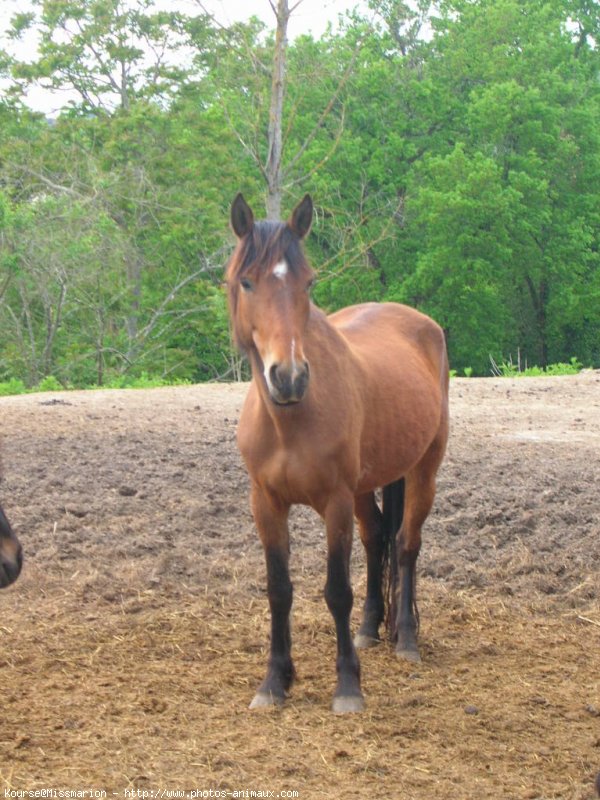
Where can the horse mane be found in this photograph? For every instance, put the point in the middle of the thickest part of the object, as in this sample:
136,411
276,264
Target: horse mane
266,244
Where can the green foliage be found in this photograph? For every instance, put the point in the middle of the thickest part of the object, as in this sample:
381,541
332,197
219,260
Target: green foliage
15,386
142,381
572,368
463,214
49,384
457,172
507,369
105,58
12,386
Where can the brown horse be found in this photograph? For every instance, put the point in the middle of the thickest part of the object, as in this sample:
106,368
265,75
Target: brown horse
338,406
11,554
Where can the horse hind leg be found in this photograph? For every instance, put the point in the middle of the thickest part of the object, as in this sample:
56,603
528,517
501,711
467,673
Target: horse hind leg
378,531
370,525
418,501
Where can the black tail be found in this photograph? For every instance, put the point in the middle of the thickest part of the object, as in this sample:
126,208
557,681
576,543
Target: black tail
393,512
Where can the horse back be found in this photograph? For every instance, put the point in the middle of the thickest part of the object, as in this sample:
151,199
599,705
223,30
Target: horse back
377,332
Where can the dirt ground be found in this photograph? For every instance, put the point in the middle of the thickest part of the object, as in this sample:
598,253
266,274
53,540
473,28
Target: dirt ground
134,640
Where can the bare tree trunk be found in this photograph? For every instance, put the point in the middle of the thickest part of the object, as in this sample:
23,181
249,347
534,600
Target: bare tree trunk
134,280
539,301
124,88
275,173
274,144
53,312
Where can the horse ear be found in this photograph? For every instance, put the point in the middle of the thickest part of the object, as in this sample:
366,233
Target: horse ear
302,217
242,218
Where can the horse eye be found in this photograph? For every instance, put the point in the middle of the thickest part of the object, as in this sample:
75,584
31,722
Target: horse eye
246,285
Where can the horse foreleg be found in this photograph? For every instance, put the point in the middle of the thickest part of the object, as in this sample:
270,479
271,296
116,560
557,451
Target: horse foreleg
271,521
370,523
338,594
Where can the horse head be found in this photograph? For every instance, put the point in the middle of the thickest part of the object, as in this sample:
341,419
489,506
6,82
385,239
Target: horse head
11,553
269,282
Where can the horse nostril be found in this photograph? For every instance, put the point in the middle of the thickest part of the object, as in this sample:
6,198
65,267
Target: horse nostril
275,377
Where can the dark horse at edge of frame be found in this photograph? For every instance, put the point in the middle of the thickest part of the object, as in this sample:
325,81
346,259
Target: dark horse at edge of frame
339,406
11,553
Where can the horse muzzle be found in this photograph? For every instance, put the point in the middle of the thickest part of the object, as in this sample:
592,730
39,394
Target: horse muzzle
287,383
11,562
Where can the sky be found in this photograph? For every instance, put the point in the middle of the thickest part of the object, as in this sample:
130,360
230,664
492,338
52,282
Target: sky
310,16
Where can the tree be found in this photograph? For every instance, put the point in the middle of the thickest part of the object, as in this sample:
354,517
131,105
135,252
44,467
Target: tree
247,65
464,214
106,53
457,171
522,95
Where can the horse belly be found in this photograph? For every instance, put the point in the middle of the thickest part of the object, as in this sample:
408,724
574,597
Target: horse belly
399,427
387,463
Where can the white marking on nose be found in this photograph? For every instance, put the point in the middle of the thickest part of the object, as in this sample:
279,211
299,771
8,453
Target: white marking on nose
280,270
267,364
297,366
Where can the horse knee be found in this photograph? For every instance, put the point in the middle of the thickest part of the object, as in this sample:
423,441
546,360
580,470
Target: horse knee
339,599
280,599
338,592
279,586
408,546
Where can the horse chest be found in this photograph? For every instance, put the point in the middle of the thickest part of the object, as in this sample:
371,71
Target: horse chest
291,469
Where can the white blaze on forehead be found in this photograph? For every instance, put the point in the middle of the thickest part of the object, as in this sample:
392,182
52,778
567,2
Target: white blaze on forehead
280,270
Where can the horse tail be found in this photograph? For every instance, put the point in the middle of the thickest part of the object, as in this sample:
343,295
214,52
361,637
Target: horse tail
393,513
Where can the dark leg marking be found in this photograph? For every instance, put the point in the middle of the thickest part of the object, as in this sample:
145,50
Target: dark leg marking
280,670
338,594
407,620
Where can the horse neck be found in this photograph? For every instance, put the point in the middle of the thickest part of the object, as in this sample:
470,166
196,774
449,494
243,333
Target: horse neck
327,349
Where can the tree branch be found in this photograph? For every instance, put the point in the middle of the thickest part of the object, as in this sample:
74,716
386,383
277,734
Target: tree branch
326,111
316,167
160,310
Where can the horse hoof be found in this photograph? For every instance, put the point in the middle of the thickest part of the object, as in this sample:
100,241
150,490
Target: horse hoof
348,705
363,642
409,655
265,700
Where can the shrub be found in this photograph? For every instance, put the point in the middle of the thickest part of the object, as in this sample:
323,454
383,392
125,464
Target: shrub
509,370
13,386
49,384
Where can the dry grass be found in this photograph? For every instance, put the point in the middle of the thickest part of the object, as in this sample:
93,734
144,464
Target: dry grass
150,690
134,641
